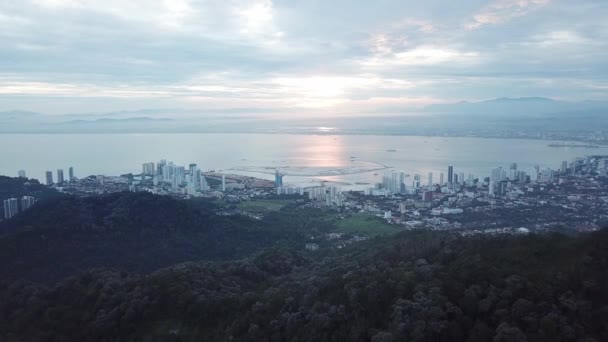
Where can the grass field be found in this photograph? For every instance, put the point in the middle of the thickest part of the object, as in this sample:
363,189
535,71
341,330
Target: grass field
263,206
366,224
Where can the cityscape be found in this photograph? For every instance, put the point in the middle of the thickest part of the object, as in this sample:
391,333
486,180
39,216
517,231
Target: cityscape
448,201
304,171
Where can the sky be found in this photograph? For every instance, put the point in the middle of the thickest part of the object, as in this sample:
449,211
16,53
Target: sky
296,57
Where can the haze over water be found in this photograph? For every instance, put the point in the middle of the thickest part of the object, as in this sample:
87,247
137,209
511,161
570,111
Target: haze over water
115,154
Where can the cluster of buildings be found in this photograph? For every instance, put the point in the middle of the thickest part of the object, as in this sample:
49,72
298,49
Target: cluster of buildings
13,206
190,181
60,177
508,199
330,196
573,196
396,182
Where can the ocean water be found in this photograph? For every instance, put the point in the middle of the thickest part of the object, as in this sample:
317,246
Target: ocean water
349,160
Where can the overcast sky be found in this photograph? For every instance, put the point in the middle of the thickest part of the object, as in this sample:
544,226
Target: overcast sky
296,57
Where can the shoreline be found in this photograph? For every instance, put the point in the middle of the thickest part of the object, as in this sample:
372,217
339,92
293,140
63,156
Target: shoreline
333,133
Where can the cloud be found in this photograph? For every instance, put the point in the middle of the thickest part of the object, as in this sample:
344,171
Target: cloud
502,11
296,57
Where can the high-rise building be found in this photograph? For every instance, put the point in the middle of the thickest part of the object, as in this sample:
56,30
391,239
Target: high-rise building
522,177
180,172
441,179
492,188
148,169
430,179
564,168
401,181
461,177
11,207
60,176
71,174
533,173
471,180
27,202
547,174
455,178
278,179
21,174
513,166
49,178
175,182
224,183
496,174
416,183
502,188
160,167
450,174
395,187
204,184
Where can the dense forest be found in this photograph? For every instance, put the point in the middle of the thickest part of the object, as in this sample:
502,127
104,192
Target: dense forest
416,286
137,232
140,267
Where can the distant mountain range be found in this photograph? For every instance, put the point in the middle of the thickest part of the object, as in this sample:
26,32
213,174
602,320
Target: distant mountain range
465,117
534,106
113,120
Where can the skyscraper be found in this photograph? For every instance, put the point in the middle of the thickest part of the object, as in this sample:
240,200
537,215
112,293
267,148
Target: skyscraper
160,167
278,178
60,176
395,187
21,173
450,174
11,208
49,178
416,183
204,184
496,174
148,169
441,179
513,166
71,173
430,178
192,168
27,202
563,170
461,177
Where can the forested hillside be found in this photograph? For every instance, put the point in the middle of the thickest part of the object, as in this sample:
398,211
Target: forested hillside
417,286
128,231
17,187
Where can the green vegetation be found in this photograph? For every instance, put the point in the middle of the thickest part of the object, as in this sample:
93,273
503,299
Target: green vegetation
137,232
17,187
140,267
264,205
366,224
412,286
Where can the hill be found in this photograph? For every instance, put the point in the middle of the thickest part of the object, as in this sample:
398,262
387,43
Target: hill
417,286
137,232
17,187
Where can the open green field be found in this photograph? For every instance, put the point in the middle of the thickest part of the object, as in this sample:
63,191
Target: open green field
264,206
366,224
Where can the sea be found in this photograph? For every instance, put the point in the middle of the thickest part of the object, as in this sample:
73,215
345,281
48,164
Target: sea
348,161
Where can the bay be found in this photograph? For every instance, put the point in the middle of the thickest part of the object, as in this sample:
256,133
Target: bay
349,160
